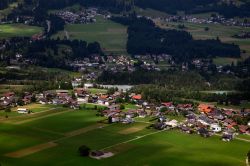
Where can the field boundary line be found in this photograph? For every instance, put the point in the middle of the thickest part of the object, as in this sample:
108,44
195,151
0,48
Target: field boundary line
47,131
84,130
31,150
134,139
42,117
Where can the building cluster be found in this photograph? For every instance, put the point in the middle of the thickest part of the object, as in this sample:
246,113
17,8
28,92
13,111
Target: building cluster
204,119
81,17
214,19
111,62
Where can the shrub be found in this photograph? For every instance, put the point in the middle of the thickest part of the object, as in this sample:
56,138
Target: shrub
84,150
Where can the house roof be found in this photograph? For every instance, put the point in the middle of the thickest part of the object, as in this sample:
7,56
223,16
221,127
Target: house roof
205,108
167,104
9,94
104,96
184,106
137,97
243,128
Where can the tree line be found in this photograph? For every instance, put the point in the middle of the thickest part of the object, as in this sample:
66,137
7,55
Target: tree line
5,3
156,93
172,80
144,37
49,52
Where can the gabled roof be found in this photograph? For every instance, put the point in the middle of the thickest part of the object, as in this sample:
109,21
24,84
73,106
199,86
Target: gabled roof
205,108
167,104
137,97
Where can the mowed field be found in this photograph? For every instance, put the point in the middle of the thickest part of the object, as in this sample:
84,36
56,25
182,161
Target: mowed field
16,30
53,139
112,36
225,34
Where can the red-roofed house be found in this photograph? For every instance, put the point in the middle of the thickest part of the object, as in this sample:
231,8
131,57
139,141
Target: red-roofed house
167,104
243,129
137,97
205,108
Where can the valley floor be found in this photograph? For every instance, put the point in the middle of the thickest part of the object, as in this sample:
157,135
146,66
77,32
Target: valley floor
52,137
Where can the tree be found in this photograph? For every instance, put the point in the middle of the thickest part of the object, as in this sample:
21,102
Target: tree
110,120
119,100
206,28
73,96
20,102
84,150
111,91
7,109
164,109
122,107
33,98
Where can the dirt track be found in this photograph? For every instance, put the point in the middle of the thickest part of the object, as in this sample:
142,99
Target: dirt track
31,150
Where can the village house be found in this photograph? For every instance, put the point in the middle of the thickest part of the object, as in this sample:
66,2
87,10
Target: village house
244,129
173,123
136,98
186,129
204,108
215,127
22,110
203,132
227,136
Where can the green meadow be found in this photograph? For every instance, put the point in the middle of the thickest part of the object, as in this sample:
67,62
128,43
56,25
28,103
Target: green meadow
131,144
112,36
18,30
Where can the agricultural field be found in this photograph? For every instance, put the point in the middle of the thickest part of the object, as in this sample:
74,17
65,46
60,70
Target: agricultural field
112,36
7,88
97,91
18,30
150,12
34,108
53,139
225,34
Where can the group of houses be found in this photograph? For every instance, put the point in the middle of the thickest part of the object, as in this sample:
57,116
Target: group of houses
80,17
10,99
211,120
203,119
213,19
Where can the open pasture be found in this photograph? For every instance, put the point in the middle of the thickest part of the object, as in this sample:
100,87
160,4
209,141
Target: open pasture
112,36
54,140
18,30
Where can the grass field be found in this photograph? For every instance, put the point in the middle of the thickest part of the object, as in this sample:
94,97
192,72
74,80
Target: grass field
34,108
150,12
97,91
54,140
112,36
16,30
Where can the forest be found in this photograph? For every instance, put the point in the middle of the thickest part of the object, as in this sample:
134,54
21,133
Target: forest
49,52
5,3
155,93
145,38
